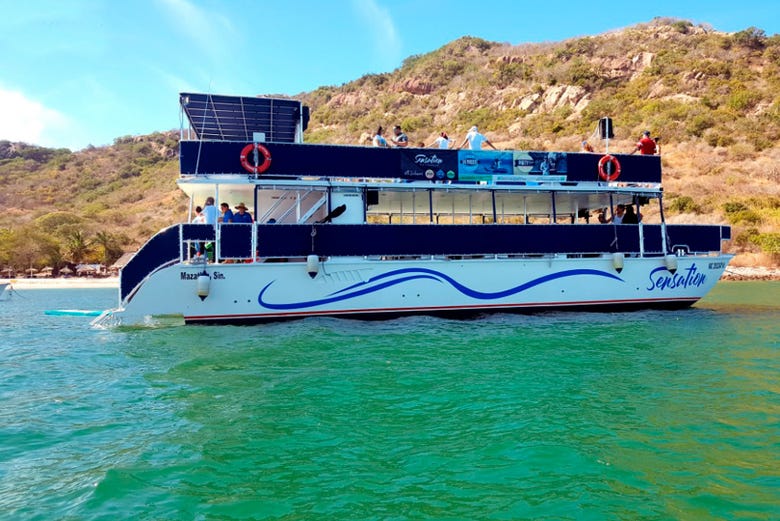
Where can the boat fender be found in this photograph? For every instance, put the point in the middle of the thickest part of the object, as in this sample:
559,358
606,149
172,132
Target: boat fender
670,261
204,281
617,261
312,265
611,172
248,164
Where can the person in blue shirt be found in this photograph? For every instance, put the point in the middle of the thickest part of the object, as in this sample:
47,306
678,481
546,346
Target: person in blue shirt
242,216
379,140
227,213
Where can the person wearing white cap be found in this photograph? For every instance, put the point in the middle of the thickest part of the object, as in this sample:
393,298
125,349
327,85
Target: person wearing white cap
474,140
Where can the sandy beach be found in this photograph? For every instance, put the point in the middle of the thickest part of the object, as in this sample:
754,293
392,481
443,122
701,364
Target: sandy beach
63,283
751,273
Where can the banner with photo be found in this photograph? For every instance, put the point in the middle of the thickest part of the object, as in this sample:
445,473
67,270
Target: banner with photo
483,165
539,163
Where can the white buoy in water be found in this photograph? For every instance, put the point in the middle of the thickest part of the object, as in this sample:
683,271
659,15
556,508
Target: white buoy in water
617,261
204,281
312,265
671,263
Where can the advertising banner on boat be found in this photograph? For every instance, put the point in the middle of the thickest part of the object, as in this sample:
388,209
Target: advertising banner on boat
483,165
489,165
421,164
538,163
537,167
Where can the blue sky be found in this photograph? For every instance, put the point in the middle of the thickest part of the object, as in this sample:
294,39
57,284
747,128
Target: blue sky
79,72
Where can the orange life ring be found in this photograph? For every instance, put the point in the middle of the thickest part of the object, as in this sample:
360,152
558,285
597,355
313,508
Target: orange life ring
247,164
615,168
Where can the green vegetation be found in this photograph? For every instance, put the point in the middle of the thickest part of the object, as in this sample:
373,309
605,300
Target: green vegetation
87,206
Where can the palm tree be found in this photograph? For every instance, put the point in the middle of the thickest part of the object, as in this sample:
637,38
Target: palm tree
108,243
77,246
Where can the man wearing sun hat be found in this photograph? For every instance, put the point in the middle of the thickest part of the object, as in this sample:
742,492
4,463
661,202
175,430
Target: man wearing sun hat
242,216
474,139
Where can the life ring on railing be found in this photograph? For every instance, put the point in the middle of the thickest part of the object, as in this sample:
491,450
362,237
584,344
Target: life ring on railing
247,164
614,168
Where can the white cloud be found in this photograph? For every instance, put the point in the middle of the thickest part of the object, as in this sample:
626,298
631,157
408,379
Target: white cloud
172,83
387,41
207,30
29,121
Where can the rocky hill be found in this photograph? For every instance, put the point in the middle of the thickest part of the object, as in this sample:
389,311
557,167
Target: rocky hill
713,98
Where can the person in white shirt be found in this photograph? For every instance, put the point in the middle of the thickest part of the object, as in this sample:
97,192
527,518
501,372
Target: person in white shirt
474,140
443,141
199,217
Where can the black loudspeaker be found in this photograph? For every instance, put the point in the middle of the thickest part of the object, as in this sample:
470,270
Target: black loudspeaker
605,128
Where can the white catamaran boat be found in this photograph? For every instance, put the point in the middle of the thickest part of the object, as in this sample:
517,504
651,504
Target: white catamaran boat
355,231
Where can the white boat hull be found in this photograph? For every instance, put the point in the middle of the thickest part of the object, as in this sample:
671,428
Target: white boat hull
379,288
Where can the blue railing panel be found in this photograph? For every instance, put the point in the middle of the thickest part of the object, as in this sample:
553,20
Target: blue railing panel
696,237
235,240
160,249
198,232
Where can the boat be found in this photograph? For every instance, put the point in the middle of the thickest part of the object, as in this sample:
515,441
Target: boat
365,232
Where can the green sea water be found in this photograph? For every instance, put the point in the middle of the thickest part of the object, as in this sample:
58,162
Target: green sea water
584,416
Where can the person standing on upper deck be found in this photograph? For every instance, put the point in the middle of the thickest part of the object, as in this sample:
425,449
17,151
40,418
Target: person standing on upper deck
442,142
645,146
379,140
474,140
399,138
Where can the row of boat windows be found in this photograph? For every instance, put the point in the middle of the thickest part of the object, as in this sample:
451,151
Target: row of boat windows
423,207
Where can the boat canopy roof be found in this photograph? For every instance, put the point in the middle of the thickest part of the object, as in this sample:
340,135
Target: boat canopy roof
241,118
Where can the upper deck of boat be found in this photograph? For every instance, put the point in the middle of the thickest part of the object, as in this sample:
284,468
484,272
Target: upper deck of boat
259,141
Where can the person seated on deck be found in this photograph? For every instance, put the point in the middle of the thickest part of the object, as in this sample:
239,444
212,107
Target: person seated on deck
615,218
630,217
586,147
242,216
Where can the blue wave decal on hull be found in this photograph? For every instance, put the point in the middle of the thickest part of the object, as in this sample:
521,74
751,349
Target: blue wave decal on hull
379,283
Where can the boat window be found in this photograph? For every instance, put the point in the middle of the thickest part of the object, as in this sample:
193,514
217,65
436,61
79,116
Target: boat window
291,205
400,207
462,207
